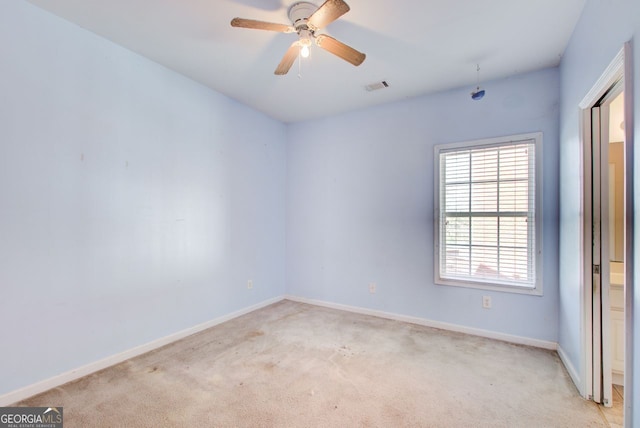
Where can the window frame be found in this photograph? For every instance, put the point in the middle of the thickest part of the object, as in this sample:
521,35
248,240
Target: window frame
487,284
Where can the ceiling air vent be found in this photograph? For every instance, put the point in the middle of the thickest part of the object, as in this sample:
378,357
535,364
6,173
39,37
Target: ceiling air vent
377,85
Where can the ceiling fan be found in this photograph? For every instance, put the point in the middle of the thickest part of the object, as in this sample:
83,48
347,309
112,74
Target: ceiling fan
306,19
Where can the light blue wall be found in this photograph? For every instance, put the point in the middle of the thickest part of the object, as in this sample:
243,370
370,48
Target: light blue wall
600,34
360,204
134,203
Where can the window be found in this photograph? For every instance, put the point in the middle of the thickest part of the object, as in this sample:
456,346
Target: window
488,228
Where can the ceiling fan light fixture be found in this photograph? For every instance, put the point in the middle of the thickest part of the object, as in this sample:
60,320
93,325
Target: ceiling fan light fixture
305,42
304,51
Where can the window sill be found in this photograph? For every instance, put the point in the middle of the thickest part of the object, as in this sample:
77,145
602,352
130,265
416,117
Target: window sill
537,291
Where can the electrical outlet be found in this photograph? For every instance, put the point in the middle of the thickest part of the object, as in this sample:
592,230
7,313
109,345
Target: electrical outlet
372,287
486,302
250,284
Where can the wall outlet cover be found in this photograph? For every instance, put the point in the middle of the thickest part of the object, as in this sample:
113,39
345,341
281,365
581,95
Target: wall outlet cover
486,302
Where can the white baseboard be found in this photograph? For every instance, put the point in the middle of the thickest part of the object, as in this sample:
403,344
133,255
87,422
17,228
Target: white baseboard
537,343
61,379
573,373
617,378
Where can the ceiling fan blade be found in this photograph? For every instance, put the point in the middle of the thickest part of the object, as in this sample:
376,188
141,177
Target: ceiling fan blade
337,48
261,25
288,59
327,13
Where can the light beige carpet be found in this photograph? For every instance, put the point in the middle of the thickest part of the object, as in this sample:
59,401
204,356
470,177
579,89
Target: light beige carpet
296,365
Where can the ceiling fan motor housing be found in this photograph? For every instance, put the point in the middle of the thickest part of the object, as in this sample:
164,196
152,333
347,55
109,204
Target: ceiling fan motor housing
299,14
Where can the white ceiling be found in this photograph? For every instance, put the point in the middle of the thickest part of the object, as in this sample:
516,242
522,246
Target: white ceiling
418,47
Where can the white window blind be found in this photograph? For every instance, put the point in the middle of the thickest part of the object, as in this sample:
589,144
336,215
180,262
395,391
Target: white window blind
487,213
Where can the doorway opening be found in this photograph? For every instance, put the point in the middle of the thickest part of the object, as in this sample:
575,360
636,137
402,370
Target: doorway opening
607,238
607,219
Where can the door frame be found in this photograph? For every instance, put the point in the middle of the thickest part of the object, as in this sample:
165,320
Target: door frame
619,68
601,252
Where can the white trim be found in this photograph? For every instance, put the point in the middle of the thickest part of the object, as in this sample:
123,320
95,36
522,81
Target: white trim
473,282
629,414
586,280
573,373
610,75
618,378
63,378
55,381
519,340
620,66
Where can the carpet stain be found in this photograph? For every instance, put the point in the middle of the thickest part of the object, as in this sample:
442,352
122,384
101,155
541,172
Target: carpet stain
253,334
269,366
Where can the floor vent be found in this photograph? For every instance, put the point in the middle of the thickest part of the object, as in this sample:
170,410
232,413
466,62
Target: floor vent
378,85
